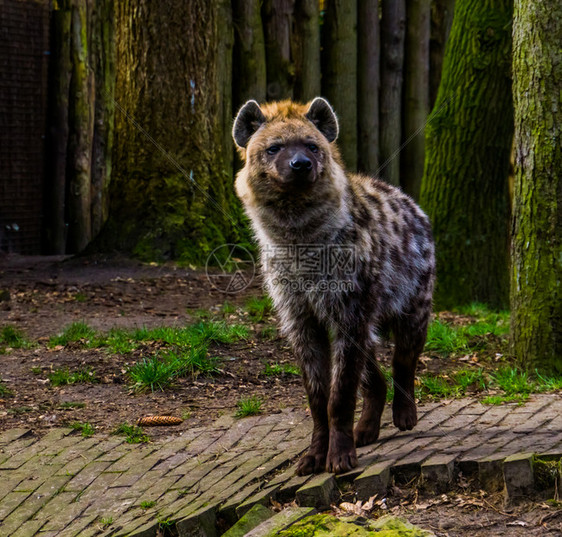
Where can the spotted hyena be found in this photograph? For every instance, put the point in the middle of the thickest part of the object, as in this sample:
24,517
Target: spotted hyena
346,258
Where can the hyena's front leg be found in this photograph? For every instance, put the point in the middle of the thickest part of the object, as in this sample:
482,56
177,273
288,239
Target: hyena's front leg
348,360
311,345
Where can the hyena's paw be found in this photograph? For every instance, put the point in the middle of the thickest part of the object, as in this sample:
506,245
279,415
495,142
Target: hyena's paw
366,434
341,454
311,463
404,414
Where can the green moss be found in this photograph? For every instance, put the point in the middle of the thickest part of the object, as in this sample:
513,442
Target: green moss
330,526
547,472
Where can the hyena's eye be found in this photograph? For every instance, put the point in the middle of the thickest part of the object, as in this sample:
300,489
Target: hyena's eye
273,149
312,147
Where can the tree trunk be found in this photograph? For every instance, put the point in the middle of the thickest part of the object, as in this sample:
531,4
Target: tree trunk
225,34
306,43
536,273
441,20
81,119
368,86
468,142
339,72
249,52
393,27
103,63
416,95
172,194
59,76
278,27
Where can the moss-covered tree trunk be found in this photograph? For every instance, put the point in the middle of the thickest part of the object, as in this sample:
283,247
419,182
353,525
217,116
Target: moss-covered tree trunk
81,121
103,65
368,85
441,20
393,26
249,52
468,142
306,50
171,194
339,71
416,95
536,272
278,27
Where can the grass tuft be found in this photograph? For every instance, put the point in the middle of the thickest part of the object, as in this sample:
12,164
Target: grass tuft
133,433
4,390
259,309
62,377
273,370
86,429
249,407
12,337
76,332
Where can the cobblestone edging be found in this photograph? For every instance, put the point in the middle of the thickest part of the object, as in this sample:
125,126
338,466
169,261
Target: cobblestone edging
63,484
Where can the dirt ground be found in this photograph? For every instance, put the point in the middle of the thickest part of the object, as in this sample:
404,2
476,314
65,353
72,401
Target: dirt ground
45,294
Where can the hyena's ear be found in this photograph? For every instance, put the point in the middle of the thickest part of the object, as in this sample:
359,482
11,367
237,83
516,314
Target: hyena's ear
322,115
247,122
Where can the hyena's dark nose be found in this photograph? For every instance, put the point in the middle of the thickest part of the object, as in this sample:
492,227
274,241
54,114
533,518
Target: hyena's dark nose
301,163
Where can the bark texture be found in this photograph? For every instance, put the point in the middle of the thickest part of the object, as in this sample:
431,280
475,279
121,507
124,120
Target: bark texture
278,26
536,272
60,70
307,50
171,164
81,120
339,72
249,52
416,95
393,27
441,20
468,142
368,85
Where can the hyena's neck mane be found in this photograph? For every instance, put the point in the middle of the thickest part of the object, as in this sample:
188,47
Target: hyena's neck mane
314,221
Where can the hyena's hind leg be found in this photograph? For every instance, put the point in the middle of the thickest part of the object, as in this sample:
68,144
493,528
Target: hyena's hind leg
311,346
373,387
409,333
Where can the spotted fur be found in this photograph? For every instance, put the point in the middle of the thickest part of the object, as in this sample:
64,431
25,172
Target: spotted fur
333,331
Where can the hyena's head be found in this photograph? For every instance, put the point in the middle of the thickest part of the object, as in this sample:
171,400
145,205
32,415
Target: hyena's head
288,151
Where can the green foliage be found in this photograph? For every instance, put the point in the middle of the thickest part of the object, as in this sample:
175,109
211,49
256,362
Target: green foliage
160,371
86,429
259,308
152,373
249,407
485,328
227,308
61,377
147,504
268,332
501,399
72,404
13,337
276,369
444,338
437,387
133,434
4,390
106,522
76,332
80,297
512,381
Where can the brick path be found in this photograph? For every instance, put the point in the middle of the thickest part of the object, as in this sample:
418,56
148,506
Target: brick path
63,484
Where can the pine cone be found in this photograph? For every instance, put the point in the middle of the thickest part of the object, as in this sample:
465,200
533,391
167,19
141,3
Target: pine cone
149,421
